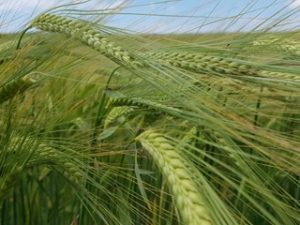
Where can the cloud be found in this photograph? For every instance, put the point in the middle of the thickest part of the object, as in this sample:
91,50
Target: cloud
14,13
109,5
295,3
14,5
41,5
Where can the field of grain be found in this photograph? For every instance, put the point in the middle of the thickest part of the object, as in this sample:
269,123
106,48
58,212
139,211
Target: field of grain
103,126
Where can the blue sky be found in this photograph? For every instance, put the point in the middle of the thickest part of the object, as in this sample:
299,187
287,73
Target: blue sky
162,16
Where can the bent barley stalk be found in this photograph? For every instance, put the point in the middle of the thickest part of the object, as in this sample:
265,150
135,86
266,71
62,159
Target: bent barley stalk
16,86
87,34
187,197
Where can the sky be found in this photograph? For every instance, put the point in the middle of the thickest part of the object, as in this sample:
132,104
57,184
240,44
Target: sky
167,16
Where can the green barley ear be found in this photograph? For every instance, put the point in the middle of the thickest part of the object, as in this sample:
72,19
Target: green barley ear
187,195
116,113
208,64
202,63
279,75
42,153
69,168
281,44
16,86
87,34
189,137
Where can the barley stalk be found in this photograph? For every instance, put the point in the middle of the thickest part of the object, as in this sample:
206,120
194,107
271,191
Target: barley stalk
87,34
174,168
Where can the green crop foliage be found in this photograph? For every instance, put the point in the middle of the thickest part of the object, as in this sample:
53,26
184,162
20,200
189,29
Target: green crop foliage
100,125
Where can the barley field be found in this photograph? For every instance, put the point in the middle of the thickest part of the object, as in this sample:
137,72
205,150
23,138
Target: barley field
106,125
